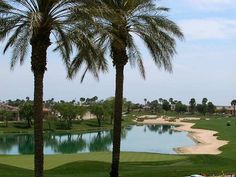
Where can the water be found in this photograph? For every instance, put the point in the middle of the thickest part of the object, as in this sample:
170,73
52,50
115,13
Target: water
147,138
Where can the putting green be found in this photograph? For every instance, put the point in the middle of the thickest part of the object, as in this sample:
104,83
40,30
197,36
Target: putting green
52,161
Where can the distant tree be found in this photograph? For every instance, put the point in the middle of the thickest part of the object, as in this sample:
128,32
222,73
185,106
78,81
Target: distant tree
192,105
160,100
73,101
233,103
109,107
27,113
127,105
200,108
171,100
50,119
155,106
49,103
204,101
99,112
62,101
95,98
211,108
166,105
82,99
180,108
81,111
87,101
68,112
6,115
204,106
15,103
145,101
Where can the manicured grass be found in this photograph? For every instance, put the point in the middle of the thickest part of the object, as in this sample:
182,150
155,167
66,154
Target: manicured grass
133,164
52,161
225,132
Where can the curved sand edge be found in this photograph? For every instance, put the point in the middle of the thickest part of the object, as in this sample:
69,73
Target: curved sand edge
207,142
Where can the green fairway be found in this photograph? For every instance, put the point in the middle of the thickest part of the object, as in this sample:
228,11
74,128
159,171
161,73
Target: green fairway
52,161
133,164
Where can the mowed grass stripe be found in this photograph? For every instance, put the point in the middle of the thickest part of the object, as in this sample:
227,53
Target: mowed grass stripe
53,161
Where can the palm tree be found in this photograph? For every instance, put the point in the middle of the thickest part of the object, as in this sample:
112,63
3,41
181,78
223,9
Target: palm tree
171,100
192,105
204,105
204,101
39,23
160,100
117,29
233,103
145,101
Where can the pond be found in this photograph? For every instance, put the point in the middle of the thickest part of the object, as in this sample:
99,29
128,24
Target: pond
147,138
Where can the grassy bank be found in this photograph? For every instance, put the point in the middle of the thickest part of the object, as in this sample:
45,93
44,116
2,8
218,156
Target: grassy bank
133,164
56,126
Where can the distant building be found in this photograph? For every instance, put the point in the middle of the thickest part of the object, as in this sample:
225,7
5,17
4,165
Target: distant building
47,112
172,107
146,108
225,109
14,110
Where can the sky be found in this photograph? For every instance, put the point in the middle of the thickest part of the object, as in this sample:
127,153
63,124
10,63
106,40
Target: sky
204,66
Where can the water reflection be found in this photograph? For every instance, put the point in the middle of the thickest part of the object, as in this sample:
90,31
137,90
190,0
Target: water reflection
148,138
161,128
72,144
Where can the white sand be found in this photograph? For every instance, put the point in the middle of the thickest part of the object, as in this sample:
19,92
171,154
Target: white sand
207,143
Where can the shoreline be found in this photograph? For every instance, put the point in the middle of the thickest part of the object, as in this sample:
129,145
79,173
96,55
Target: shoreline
206,141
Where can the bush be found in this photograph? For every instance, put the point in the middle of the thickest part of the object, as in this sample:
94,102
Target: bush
140,119
62,125
228,123
20,125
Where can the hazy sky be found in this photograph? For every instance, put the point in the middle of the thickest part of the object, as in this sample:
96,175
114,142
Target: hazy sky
204,66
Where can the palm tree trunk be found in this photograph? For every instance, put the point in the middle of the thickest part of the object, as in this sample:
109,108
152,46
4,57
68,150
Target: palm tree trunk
117,121
39,45
38,125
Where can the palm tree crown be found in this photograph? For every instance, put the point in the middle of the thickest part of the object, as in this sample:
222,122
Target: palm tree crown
120,22
40,23
140,18
26,22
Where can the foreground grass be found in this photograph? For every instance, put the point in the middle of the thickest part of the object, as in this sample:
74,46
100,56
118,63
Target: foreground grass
160,168
133,164
52,161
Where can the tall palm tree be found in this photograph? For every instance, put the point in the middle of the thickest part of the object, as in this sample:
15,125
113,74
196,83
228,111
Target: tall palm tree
145,101
204,105
192,105
39,23
233,103
129,18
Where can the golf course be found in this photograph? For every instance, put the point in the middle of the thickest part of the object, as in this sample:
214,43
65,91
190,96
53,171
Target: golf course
133,163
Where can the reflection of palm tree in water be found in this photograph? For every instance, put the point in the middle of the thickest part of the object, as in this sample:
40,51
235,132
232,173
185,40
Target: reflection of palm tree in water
60,143
7,142
50,141
71,145
160,128
26,144
101,142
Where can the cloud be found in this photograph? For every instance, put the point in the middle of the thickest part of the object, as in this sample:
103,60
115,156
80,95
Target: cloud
205,29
